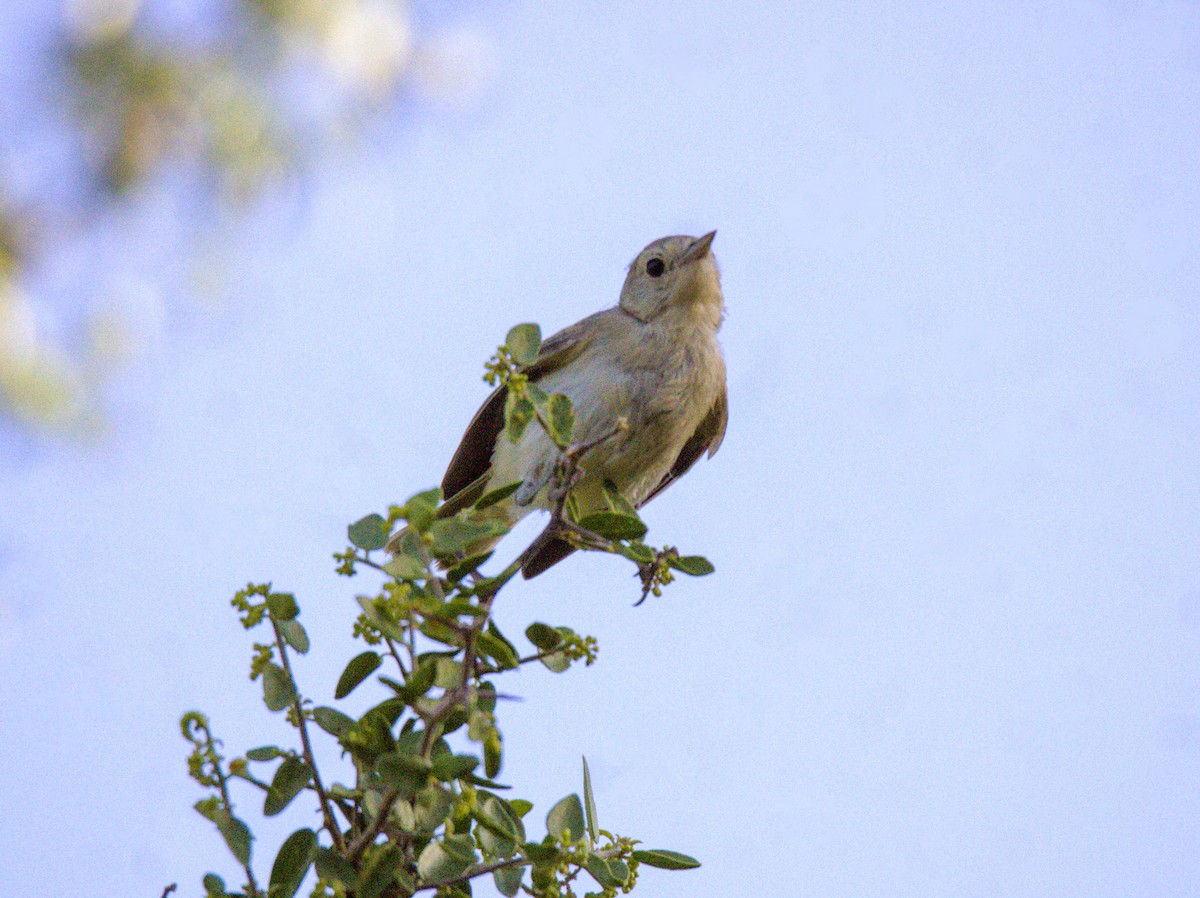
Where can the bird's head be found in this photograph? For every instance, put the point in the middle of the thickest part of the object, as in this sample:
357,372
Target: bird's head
674,272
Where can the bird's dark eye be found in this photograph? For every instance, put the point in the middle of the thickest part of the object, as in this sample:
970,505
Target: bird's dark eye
655,267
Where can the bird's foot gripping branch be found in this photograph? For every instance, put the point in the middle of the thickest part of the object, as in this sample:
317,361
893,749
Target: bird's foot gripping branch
413,805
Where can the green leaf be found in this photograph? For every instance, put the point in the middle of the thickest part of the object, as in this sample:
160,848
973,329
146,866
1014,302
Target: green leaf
379,871
520,806
485,698
436,863
508,880
484,783
461,847
543,636
420,511
282,606
388,710
215,885
406,567
332,867
405,773
523,343
237,835
431,806
639,552
451,767
615,501
695,565
290,778
498,648
518,412
369,533
557,662
497,495
449,673
589,803
421,679
359,668
454,535
566,818
541,853
665,860
440,632
295,857
378,618
265,753
609,873
560,418
333,721
295,635
498,831
613,525
492,748
278,689
468,565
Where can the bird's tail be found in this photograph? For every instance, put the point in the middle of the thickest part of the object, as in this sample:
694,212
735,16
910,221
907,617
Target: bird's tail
544,552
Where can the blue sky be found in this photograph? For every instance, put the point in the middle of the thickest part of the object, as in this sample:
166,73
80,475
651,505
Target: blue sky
952,646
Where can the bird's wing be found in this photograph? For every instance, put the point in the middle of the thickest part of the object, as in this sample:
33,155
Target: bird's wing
706,437
474,455
549,548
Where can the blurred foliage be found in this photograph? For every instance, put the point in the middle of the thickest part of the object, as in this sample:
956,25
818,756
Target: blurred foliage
257,95
416,806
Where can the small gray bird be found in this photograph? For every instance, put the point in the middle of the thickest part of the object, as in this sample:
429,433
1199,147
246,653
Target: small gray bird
651,362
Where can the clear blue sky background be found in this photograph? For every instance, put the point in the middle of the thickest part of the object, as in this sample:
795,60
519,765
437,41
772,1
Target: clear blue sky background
952,647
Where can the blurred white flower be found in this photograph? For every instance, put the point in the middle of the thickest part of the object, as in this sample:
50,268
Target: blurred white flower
38,384
368,46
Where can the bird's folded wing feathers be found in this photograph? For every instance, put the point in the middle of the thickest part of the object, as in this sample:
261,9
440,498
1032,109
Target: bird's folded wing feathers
550,548
474,455
706,437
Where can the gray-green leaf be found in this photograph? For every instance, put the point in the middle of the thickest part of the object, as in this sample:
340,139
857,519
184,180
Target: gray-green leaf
369,533
436,863
543,636
695,565
359,668
560,419
295,635
332,721
614,525
665,860
282,606
278,689
523,343
295,857
290,778
332,867
518,412
237,836
589,803
508,880
566,818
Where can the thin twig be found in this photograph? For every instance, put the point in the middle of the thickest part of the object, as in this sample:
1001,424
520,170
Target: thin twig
223,786
475,871
392,651
335,831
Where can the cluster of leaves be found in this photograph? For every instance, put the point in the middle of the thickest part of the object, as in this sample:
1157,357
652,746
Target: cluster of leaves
421,809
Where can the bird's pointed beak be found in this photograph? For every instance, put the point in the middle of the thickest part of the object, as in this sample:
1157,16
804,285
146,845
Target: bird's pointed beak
698,250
